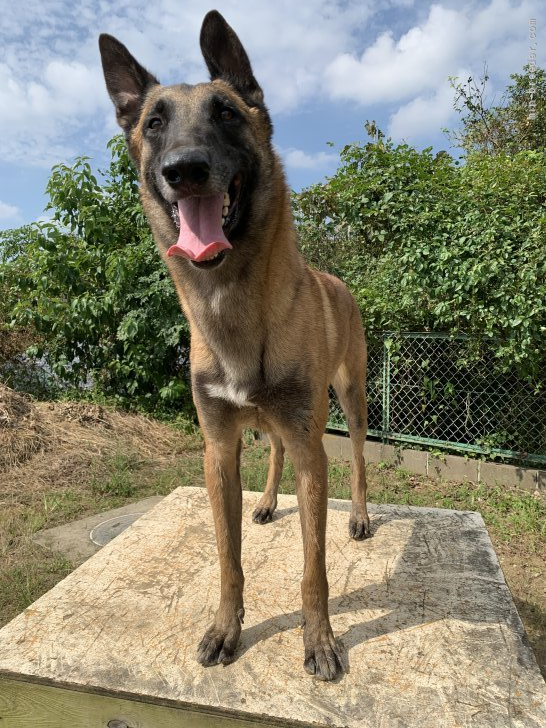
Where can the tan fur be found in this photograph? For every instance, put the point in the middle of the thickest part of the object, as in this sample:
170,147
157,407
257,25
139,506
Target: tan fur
268,336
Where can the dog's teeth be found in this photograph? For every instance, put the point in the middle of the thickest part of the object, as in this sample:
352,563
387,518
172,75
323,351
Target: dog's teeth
226,199
225,210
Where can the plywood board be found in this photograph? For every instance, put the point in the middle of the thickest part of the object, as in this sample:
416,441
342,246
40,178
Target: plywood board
432,634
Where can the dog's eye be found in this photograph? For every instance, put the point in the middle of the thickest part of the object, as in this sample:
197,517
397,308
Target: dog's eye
155,122
227,114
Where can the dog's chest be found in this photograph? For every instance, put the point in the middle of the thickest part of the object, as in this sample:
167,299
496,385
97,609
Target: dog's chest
242,369
233,334
232,392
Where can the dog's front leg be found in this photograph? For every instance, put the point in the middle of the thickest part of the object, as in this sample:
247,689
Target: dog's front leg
323,654
224,488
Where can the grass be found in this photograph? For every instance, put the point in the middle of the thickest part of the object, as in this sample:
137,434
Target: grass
512,513
126,471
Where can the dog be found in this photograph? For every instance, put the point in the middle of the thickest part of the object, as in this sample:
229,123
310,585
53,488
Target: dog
268,334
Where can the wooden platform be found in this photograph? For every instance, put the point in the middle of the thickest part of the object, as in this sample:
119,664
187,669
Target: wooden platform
432,634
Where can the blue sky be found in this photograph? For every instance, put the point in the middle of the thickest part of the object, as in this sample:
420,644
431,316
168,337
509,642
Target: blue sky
325,66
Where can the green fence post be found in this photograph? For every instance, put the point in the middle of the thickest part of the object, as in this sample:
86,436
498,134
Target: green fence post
386,394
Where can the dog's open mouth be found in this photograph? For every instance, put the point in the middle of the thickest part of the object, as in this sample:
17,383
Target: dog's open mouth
203,223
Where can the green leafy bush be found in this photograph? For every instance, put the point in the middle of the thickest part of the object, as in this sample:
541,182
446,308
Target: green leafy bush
91,286
426,243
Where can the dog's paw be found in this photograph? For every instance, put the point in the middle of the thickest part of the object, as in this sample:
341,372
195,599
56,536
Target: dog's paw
325,660
265,508
218,645
262,515
359,528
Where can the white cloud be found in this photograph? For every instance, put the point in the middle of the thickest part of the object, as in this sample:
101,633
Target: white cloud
420,60
390,70
298,159
423,116
9,212
62,88
37,117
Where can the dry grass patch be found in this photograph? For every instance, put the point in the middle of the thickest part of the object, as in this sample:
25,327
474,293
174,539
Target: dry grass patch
63,461
23,433
80,440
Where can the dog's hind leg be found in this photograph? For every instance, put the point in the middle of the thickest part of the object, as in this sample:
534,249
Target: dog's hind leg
263,513
350,386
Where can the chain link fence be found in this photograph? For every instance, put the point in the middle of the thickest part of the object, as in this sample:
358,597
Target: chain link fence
425,389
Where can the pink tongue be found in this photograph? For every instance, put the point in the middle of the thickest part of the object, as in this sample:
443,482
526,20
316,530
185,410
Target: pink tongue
201,235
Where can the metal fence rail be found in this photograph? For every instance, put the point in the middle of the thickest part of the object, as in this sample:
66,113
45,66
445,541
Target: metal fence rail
422,389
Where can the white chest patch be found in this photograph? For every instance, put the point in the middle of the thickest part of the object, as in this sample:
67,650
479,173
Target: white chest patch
216,301
230,393
220,298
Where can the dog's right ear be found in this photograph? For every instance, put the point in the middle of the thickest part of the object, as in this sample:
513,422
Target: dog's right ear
126,80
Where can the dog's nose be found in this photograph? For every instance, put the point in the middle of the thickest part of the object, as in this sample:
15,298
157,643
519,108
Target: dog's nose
188,166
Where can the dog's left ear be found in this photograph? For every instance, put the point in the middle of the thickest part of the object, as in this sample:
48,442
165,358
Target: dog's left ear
226,58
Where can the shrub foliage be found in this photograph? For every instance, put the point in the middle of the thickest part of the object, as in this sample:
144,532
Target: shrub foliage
426,243
92,287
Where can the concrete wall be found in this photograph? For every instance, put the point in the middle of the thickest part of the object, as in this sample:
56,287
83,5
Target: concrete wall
447,467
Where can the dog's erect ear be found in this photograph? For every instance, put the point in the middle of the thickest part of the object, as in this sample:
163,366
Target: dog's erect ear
126,80
226,58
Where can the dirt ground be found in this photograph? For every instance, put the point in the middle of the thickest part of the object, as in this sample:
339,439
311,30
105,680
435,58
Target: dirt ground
63,461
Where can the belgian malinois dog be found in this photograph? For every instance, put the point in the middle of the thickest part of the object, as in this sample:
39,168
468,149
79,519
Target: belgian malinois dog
268,334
